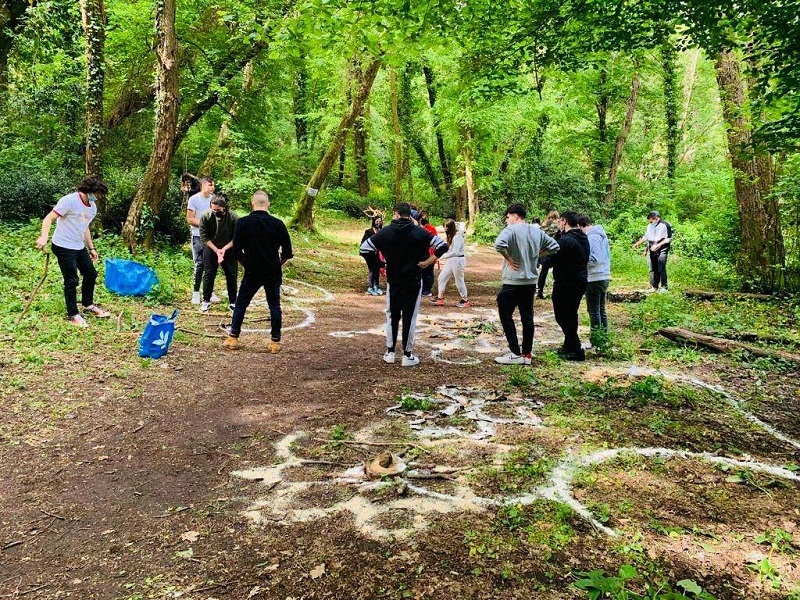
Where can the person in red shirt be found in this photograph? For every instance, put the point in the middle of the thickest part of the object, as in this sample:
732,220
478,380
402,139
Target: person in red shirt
427,273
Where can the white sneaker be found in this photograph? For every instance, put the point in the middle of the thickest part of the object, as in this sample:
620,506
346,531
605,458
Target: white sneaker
410,361
662,290
205,306
215,298
195,297
388,358
78,321
510,359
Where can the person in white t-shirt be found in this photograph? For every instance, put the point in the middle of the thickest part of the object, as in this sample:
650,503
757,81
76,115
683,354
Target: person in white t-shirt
73,247
198,204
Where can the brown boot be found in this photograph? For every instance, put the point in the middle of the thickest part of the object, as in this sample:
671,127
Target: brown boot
231,343
274,347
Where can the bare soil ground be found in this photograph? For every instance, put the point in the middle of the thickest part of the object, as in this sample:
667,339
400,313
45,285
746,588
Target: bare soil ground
236,474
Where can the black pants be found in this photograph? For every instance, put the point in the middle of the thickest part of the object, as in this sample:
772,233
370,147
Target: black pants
71,262
519,297
250,285
427,280
402,303
658,268
545,263
566,301
229,266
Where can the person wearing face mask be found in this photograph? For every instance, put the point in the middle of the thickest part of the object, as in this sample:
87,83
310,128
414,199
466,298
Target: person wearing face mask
374,261
216,231
427,273
74,249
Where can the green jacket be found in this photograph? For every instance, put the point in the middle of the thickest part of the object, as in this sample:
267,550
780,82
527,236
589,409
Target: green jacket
218,231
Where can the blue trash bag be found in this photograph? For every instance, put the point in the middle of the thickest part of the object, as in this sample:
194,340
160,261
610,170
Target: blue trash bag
157,335
128,277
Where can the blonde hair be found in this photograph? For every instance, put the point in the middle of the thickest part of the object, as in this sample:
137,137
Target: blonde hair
553,216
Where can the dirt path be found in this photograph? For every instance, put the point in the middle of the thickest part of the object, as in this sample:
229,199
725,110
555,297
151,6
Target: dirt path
154,487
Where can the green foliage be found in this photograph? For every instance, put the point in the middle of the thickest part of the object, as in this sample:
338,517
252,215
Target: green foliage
31,193
618,587
350,203
778,540
410,402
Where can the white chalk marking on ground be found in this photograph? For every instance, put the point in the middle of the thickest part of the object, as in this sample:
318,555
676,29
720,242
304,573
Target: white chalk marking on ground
326,295
730,398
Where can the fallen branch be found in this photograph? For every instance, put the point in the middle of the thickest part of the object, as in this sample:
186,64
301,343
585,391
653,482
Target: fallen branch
119,321
35,589
200,333
12,544
430,476
49,514
708,295
723,346
626,296
208,588
35,290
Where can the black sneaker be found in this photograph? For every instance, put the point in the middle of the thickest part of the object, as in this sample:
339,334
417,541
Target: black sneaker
575,356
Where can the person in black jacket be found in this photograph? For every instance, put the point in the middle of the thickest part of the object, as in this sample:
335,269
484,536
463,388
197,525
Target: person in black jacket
374,266
569,283
261,244
404,246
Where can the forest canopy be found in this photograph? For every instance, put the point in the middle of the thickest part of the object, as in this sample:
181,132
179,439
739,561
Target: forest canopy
609,108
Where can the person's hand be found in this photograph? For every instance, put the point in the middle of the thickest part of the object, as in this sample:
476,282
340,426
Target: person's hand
93,255
220,255
41,242
513,264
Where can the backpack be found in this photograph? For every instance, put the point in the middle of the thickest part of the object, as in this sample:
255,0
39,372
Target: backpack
669,232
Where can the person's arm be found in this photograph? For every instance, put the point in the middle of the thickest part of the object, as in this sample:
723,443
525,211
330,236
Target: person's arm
438,246
548,246
501,245
661,237
511,262
205,233
286,245
87,239
41,241
192,218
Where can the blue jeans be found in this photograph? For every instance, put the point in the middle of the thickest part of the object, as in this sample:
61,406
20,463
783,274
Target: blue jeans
596,304
71,262
520,297
250,285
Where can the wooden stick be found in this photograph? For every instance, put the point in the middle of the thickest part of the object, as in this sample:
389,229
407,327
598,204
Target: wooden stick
723,346
35,289
378,444
201,333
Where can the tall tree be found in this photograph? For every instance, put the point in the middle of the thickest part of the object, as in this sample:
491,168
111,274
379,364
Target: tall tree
668,60
11,19
622,139
406,103
394,99
93,18
763,258
444,162
304,215
154,183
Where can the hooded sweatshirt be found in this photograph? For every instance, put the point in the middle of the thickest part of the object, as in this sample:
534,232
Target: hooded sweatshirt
569,265
403,245
599,266
523,242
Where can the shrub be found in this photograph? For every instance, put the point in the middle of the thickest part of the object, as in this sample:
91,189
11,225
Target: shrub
346,201
29,193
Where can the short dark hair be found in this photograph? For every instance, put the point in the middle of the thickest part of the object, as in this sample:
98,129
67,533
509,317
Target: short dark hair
219,200
207,179
517,209
584,221
93,185
654,214
571,217
403,209
536,220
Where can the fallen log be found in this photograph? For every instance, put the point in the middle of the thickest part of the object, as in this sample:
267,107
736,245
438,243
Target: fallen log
723,346
625,296
709,295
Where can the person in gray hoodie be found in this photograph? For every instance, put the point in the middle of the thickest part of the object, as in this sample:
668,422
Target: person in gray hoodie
521,245
599,274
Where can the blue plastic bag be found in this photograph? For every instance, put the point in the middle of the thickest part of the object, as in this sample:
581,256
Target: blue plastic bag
157,335
128,277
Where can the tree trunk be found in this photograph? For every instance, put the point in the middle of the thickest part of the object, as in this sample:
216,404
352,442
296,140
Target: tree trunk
223,137
304,215
668,59
410,134
360,155
601,106
300,100
724,346
762,259
622,139
93,18
469,182
11,14
156,177
444,163
342,162
398,140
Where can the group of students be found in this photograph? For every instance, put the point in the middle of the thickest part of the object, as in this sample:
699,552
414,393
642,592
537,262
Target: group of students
577,251
452,263
258,241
